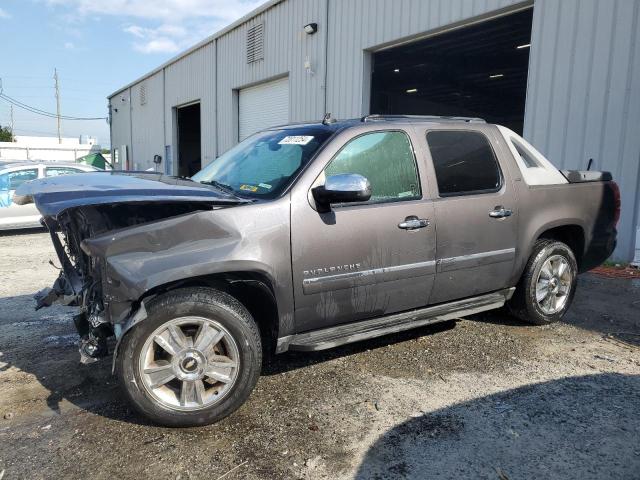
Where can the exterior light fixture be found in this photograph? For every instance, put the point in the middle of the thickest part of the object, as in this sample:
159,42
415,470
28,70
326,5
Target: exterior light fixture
412,90
397,70
497,75
527,45
311,28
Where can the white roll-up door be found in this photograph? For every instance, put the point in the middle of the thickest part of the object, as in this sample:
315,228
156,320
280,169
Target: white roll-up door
263,106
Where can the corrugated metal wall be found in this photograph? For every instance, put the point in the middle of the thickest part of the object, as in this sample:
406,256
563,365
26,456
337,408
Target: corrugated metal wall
583,94
286,47
191,79
146,141
120,128
583,97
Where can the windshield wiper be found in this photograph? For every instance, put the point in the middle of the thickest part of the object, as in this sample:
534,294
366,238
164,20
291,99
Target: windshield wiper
221,186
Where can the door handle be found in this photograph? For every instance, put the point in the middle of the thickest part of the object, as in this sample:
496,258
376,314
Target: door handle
413,223
500,212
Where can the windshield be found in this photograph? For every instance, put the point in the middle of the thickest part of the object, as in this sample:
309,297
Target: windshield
263,164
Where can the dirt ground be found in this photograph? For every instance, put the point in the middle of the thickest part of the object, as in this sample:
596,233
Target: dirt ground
483,397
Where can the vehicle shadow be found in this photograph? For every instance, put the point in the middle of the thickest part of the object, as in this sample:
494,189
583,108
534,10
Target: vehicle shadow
292,360
609,306
22,231
44,344
577,427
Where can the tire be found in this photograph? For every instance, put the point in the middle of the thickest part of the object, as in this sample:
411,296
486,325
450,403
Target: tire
210,380
526,303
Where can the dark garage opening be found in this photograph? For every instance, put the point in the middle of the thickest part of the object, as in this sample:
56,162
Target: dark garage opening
477,71
189,155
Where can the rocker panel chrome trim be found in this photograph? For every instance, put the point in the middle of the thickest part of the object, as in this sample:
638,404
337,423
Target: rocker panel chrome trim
367,277
476,260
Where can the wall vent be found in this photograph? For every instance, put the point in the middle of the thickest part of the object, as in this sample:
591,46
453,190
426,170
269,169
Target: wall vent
143,94
255,43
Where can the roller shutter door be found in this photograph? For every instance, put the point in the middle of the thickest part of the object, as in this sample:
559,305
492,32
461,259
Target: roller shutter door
263,106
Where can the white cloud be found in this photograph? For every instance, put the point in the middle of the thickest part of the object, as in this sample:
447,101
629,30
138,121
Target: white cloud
225,10
4,14
166,38
161,26
69,45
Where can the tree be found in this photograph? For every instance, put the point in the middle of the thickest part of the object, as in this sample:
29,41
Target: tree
6,135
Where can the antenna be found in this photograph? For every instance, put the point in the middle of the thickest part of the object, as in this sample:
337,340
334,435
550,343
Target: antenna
328,119
55,77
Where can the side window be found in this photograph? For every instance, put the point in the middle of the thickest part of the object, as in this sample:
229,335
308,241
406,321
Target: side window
386,159
526,157
57,171
18,177
464,162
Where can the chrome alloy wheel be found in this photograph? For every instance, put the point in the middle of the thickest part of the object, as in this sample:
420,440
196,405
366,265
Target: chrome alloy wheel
553,284
189,363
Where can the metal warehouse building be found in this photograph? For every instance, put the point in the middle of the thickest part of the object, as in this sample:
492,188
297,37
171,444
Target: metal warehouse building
565,73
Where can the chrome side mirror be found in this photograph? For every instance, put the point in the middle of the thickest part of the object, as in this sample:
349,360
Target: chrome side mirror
341,188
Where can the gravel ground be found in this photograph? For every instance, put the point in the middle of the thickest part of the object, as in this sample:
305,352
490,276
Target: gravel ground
483,397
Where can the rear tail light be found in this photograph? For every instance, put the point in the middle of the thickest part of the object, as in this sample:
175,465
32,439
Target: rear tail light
616,201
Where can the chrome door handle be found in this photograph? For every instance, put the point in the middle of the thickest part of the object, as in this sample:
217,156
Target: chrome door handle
413,223
500,212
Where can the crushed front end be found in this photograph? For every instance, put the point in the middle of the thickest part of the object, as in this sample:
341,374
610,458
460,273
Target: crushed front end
80,280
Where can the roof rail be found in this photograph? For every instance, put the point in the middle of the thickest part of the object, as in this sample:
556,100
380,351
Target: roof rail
438,118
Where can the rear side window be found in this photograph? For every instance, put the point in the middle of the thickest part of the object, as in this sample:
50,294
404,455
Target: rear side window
386,159
526,157
57,171
18,177
464,162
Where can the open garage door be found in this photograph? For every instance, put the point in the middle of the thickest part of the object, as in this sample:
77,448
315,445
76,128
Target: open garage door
262,106
478,71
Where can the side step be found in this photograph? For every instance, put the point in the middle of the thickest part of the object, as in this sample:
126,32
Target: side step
397,322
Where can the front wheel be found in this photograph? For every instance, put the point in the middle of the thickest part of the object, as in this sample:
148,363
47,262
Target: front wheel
193,361
548,284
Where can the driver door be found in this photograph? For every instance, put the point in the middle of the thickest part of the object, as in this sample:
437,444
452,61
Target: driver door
361,260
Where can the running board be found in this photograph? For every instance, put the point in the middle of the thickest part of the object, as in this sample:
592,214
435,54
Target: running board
398,322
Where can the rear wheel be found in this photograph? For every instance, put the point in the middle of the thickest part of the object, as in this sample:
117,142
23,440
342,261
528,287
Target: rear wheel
548,284
193,361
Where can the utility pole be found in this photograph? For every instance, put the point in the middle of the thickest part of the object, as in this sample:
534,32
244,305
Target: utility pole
55,77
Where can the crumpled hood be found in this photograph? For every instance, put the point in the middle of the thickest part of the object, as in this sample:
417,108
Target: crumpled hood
56,194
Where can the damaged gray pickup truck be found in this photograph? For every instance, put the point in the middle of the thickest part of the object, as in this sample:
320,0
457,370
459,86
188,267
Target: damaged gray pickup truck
305,237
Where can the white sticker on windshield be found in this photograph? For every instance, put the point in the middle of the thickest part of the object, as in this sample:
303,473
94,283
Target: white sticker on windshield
295,140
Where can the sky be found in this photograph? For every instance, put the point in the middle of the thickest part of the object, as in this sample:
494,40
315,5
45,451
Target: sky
97,47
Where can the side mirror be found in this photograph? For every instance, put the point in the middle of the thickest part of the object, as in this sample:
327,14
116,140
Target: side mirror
341,188
157,159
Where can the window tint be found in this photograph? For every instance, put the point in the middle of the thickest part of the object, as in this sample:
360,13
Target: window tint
264,164
56,171
526,157
386,160
18,177
464,162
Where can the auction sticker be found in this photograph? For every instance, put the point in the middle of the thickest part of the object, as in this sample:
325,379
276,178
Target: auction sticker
249,188
296,140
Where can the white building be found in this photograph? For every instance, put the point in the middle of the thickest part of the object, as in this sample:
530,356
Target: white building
47,148
565,73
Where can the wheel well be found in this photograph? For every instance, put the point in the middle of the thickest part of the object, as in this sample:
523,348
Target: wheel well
572,235
252,289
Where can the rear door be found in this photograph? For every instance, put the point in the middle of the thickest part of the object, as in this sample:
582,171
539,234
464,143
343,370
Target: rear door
13,215
363,260
475,211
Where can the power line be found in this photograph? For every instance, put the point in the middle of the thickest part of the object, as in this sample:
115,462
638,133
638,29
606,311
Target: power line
38,111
